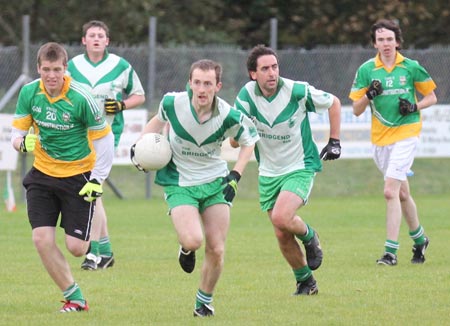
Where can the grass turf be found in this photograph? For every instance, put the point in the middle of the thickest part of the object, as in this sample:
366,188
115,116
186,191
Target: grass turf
146,286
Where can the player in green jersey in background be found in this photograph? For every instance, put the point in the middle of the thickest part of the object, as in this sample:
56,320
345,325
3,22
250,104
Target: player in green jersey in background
58,120
108,77
388,84
197,185
287,156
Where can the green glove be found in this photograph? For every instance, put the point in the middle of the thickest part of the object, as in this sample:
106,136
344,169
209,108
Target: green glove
28,143
92,190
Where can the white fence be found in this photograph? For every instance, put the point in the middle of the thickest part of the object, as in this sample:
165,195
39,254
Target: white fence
355,135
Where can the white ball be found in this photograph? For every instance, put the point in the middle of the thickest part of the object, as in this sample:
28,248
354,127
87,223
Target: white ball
152,152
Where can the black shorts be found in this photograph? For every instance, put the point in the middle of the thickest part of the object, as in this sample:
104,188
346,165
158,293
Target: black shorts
48,197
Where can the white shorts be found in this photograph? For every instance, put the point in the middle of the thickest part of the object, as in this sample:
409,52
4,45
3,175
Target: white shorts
395,160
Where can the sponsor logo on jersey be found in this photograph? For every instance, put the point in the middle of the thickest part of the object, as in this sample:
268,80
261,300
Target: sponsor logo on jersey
402,80
66,117
36,109
284,138
291,122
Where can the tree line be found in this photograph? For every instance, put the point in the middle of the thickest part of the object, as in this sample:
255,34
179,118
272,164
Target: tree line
301,23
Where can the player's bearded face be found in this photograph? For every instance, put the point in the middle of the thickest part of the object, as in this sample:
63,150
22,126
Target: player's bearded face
267,74
52,75
204,87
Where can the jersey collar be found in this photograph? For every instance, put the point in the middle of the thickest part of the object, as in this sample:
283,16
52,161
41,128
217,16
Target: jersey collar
105,56
398,59
258,91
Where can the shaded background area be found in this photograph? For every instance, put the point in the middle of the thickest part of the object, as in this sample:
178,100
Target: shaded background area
331,68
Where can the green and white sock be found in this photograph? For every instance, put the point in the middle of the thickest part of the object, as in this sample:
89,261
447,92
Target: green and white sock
202,298
391,246
73,293
105,247
418,235
302,274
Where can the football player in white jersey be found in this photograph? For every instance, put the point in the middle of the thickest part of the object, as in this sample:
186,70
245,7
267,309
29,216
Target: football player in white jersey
197,185
108,77
287,155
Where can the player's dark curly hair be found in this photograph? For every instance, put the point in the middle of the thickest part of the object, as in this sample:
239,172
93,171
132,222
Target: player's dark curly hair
390,25
257,52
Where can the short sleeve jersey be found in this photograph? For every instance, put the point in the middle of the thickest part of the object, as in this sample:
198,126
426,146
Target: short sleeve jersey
63,125
109,78
286,142
402,81
196,146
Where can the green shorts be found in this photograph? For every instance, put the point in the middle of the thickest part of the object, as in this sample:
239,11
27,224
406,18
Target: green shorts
299,182
201,196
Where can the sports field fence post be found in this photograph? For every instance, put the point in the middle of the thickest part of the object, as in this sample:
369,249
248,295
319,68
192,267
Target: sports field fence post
151,87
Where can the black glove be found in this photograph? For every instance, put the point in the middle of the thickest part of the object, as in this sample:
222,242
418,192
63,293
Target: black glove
375,89
231,181
332,150
406,107
112,106
133,159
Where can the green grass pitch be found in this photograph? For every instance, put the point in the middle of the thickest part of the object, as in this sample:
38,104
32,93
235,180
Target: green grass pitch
147,286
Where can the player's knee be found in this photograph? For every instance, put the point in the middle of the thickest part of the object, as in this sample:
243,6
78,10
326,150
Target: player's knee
390,194
404,195
216,254
216,251
42,240
191,243
76,251
280,221
76,247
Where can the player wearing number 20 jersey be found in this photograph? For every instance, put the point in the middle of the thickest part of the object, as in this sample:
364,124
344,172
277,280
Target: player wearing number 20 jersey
63,149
